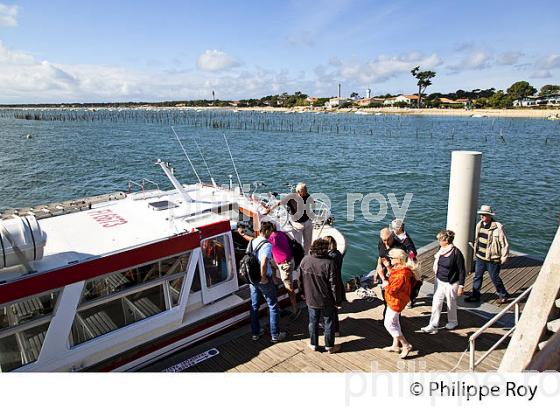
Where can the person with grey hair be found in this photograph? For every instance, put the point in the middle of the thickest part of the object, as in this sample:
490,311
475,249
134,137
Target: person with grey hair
397,294
449,267
397,227
299,207
387,241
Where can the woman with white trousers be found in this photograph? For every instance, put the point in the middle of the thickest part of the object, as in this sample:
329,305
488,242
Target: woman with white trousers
449,267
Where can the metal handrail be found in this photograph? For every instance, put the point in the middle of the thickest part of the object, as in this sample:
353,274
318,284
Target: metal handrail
150,182
472,340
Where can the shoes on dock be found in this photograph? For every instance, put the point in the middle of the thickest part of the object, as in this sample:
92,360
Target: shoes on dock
278,338
472,299
503,300
257,337
405,351
312,347
429,329
451,326
394,349
334,349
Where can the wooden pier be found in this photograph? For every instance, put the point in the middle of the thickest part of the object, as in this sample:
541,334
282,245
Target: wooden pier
364,336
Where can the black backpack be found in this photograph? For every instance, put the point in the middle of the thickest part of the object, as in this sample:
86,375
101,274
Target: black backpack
250,267
297,251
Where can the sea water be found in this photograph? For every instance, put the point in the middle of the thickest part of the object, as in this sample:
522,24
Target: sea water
72,154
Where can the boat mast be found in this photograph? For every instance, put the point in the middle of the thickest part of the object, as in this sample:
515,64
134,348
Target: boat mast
186,155
234,167
205,163
169,172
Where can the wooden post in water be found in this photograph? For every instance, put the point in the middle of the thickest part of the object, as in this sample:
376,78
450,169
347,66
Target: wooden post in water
464,185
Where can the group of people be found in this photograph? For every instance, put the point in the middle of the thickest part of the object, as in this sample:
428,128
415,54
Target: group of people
397,272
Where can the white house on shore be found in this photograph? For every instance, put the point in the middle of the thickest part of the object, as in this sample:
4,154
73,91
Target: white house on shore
408,99
337,102
536,101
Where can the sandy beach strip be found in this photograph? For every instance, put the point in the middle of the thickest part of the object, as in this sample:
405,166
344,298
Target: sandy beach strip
548,113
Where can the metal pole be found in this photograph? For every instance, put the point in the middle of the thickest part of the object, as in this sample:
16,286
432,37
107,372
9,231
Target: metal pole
471,355
464,185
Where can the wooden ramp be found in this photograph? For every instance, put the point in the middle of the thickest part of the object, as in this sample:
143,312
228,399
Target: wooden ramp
364,336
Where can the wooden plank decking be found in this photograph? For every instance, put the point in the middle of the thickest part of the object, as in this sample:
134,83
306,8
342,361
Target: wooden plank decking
363,337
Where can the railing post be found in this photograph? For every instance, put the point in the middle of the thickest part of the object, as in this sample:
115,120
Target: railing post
471,354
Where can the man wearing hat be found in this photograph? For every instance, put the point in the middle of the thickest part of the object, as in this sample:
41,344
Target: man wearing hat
491,250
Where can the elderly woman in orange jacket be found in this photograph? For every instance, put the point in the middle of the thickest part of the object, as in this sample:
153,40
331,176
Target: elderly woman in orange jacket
397,294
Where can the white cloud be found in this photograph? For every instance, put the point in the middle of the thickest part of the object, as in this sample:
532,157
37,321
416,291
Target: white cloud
509,58
474,60
302,38
551,61
384,67
215,60
8,15
541,74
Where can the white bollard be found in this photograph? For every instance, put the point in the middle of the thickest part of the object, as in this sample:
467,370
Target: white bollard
464,185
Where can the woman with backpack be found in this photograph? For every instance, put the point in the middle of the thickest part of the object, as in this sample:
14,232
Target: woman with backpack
449,267
284,259
397,294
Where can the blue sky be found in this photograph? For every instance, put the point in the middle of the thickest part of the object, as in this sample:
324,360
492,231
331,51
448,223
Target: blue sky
63,51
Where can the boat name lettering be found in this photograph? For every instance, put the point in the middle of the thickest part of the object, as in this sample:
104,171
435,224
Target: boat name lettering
107,218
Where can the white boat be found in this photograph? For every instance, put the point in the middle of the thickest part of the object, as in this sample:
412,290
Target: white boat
118,281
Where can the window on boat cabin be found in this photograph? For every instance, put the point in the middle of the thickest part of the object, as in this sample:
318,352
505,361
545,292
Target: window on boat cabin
27,310
119,299
101,319
119,281
216,265
23,326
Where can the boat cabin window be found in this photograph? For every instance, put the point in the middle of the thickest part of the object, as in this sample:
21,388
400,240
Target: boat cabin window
215,260
119,299
116,282
23,326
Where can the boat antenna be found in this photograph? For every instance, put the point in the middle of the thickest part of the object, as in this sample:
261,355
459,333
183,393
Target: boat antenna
205,163
234,167
186,155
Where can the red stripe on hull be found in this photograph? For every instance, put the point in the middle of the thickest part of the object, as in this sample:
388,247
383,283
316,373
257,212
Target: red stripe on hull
43,282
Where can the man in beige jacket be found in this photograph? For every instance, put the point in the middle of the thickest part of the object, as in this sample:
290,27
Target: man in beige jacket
491,250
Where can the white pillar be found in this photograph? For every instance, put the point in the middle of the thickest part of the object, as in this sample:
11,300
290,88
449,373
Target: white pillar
464,185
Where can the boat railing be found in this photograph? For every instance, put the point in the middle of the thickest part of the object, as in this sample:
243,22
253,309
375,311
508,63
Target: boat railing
515,304
142,185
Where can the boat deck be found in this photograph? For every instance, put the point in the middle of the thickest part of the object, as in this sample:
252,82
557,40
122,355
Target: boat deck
364,336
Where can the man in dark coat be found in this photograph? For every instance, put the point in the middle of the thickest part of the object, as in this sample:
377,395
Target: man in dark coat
318,279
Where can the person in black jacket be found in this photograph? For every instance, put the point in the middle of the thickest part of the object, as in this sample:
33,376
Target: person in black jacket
318,280
337,257
449,267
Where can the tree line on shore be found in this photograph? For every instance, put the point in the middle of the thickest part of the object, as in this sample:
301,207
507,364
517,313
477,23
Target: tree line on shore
477,98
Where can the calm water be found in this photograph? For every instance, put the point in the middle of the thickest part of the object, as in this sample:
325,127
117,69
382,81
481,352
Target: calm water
334,154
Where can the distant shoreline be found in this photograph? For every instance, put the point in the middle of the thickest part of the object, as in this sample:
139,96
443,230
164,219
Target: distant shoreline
451,112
